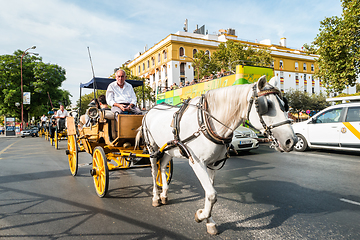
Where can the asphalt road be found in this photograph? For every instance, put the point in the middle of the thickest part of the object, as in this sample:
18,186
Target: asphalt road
261,195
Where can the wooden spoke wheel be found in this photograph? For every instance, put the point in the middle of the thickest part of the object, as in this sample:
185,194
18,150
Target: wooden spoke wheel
168,172
56,139
100,171
72,154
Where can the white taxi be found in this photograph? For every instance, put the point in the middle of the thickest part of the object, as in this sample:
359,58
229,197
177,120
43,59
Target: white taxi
336,127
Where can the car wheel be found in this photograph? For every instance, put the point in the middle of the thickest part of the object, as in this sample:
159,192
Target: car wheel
301,145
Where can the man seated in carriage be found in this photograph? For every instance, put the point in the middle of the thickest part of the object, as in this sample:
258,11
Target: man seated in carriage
120,95
61,115
43,120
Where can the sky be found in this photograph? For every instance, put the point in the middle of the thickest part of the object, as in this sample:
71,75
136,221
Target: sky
114,31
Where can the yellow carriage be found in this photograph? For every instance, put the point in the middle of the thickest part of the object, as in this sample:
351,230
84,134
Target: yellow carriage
110,141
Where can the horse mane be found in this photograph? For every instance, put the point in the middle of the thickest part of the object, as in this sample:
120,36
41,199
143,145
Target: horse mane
229,106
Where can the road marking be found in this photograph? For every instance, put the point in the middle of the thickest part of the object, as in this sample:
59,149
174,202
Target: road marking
349,201
2,151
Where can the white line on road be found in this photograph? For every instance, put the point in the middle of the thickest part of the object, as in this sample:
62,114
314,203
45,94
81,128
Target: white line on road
349,201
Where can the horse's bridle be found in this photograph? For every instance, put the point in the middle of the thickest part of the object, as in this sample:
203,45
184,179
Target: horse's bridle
258,98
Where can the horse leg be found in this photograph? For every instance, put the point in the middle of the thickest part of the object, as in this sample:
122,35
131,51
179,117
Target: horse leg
210,197
165,186
154,171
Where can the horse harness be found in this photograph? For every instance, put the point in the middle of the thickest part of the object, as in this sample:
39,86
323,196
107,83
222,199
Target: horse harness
262,107
204,127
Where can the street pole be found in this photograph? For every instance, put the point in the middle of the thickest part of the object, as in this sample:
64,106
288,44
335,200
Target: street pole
22,90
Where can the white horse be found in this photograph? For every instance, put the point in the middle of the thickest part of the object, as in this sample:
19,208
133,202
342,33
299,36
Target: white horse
226,108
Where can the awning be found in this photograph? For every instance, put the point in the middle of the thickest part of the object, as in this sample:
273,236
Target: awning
102,83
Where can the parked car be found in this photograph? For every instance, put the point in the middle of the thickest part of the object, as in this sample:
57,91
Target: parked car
336,127
244,139
31,131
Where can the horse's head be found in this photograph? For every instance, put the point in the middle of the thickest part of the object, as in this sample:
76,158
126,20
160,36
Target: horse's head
268,113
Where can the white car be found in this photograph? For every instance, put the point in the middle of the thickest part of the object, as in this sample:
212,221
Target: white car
336,127
244,139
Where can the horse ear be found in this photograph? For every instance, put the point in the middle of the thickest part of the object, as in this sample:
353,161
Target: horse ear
261,82
273,82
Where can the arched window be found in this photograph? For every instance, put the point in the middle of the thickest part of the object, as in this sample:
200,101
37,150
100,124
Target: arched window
153,61
148,63
159,57
304,67
281,64
143,66
296,66
312,67
165,70
139,68
181,51
194,52
207,52
165,54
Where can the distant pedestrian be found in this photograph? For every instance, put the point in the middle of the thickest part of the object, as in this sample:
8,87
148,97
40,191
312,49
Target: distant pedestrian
2,129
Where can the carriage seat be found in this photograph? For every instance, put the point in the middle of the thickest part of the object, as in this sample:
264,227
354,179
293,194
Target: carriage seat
106,113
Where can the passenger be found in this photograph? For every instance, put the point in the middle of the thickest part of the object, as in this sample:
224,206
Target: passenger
43,121
187,83
120,95
102,102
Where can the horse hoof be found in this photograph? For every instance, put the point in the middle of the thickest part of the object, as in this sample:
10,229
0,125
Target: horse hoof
156,203
197,219
211,228
164,200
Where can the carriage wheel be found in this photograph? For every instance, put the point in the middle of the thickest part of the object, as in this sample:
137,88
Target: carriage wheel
73,154
51,140
56,139
100,171
168,172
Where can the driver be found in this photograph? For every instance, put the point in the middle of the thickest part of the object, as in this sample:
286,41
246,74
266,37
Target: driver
120,95
61,114
43,120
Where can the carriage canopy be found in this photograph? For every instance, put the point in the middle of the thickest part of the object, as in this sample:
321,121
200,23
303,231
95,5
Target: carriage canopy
102,83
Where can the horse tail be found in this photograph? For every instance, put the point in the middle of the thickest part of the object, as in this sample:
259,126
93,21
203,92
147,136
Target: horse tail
138,136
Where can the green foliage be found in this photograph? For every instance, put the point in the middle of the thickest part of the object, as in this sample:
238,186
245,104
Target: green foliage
300,101
231,53
338,44
38,78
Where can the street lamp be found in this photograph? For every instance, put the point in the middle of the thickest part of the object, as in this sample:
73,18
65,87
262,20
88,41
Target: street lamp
22,91
197,65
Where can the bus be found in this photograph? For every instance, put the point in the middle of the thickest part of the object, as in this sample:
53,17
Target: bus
243,75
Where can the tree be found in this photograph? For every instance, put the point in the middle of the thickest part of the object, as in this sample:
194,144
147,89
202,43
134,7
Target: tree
231,53
40,79
337,45
300,101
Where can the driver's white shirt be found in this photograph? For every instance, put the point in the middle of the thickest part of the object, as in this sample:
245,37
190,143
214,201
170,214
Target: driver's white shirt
43,118
116,94
60,113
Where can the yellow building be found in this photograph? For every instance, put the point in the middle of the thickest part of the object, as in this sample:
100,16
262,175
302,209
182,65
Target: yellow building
169,61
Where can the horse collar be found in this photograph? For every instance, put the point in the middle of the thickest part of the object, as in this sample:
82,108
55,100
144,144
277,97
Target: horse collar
203,120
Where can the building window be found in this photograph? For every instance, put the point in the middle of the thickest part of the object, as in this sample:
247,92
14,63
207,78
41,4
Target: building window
207,52
194,52
165,54
304,68
297,80
305,83
159,73
272,64
281,64
296,66
312,67
148,63
182,69
165,70
181,51
139,69
143,66
153,61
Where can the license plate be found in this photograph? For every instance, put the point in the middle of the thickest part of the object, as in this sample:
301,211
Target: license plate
245,142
